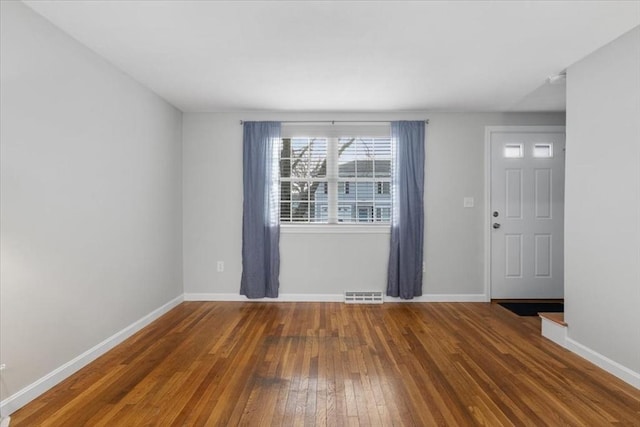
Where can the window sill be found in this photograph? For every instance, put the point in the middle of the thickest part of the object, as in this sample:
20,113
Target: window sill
335,229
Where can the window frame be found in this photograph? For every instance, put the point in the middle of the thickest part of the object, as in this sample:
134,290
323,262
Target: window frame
330,183
322,181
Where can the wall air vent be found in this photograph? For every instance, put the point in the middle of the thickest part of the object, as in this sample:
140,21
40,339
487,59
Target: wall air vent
363,297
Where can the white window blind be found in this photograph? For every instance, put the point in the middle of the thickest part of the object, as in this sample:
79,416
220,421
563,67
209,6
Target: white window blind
303,179
335,174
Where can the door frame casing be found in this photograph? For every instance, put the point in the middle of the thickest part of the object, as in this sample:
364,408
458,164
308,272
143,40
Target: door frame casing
488,131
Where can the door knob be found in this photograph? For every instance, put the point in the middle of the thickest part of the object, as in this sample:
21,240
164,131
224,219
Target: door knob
496,225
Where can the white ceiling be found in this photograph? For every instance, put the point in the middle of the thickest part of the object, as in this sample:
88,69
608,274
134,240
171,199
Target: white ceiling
346,55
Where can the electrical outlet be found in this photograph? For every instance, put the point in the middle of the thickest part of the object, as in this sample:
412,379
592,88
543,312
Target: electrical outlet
220,266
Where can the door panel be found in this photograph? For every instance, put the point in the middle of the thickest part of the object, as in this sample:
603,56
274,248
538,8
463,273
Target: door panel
542,260
543,199
513,245
527,195
513,193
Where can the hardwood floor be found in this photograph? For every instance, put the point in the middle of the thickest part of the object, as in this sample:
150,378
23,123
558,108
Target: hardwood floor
295,364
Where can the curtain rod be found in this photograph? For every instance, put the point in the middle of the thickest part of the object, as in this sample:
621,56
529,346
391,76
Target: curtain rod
336,121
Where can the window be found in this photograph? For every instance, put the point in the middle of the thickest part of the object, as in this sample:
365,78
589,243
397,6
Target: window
335,180
365,214
383,187
543,151
303,171
383,214
513,151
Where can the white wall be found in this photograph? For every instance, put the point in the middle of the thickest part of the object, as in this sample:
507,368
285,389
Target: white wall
90,199
602,220
331,263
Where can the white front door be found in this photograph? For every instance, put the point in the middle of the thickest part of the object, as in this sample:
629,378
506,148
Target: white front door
527,212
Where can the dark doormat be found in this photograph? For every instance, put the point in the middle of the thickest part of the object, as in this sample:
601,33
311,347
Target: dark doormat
533,308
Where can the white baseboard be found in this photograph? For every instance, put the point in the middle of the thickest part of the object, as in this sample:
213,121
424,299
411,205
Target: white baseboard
613,367
281,297
214,297
442,298
554,331
27,394
331,298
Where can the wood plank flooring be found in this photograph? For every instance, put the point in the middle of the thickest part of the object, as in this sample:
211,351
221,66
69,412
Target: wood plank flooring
330,364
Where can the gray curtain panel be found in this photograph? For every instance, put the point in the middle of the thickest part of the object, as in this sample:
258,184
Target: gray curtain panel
407,219
261,211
